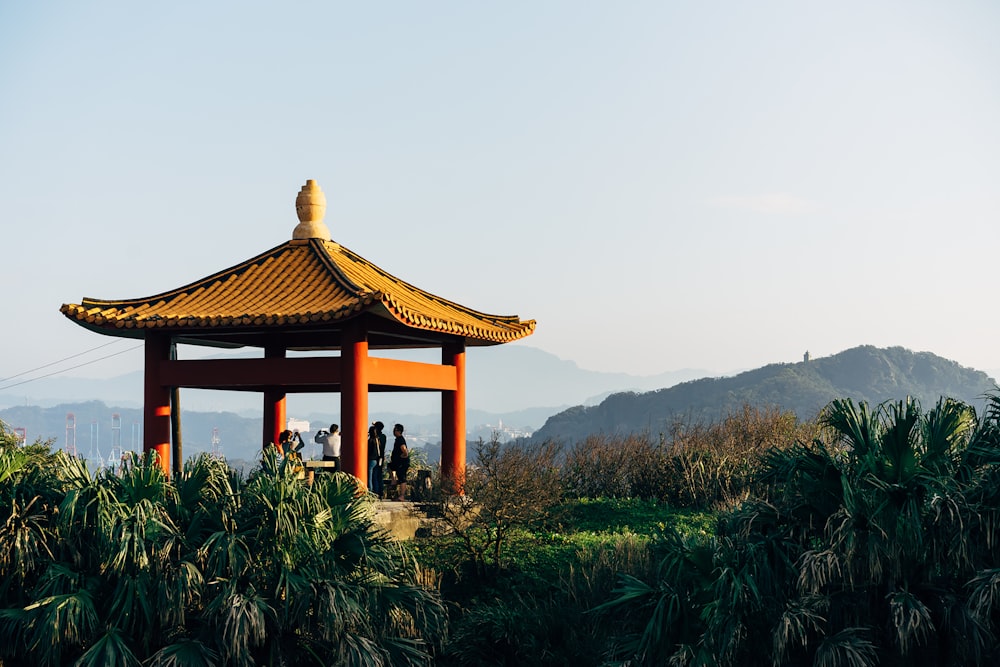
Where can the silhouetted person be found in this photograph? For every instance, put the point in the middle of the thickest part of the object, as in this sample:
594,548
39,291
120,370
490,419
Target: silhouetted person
376,458
399,461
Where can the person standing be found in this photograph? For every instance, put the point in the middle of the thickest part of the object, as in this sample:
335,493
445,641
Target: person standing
331,445
399,461
376,458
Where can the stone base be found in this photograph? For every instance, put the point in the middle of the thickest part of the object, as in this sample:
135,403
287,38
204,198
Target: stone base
401,519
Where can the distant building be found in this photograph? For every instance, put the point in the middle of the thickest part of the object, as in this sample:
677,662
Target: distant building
300,425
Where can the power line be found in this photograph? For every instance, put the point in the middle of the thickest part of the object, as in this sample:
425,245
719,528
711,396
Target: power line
86,363
72,356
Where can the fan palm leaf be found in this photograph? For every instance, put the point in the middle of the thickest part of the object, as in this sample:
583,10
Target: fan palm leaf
242,620
850,647
895,453
111,648
946,431
911,620
25,537
858,428
60,623
184,653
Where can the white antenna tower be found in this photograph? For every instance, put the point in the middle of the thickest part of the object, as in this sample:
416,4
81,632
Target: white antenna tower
95,447
115,456
70,445
216,442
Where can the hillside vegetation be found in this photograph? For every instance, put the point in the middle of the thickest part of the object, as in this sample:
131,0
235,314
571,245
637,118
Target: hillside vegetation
863,373
866,538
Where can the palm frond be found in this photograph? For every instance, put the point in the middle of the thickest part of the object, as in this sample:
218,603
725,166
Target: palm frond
899,442
13,462
132,605
850,647
984,593
109,649
818,570
24,539
801,620
630,590
245,618
61,622
946,428
911,620
224,555
179,589
857,427
14,625
184,653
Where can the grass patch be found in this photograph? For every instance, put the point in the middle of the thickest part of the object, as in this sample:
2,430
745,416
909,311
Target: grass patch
575,533
630,515
537,610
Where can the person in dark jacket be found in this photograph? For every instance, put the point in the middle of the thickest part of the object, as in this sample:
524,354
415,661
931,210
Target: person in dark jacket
399,461
376,458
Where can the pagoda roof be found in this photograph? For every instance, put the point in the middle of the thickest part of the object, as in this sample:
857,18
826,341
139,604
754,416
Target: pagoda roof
301,292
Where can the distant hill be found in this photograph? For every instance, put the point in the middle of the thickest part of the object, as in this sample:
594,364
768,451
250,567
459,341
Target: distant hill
863,373
520,387
501,379
97,432
515,386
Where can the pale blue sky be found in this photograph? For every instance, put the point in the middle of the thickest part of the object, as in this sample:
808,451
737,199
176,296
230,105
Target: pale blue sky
715,185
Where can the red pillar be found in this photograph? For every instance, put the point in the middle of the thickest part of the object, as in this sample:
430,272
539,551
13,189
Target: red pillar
275,416
354,401
453,417
156,401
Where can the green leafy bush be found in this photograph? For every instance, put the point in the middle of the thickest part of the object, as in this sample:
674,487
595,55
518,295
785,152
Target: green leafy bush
873,544
203,569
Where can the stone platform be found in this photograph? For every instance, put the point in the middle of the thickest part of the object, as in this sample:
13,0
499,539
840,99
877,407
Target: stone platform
402,519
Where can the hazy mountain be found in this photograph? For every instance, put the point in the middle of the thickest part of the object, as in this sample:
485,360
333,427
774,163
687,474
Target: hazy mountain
862,373
499,379
509,386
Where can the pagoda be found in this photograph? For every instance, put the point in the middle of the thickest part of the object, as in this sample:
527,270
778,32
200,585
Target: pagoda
308,294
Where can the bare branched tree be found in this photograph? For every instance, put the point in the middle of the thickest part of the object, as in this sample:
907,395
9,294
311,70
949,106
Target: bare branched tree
509,487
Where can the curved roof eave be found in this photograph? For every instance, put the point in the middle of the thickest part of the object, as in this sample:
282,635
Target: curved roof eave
304,285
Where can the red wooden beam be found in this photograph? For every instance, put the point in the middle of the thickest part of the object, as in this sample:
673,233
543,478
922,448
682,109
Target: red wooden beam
251,373
411,374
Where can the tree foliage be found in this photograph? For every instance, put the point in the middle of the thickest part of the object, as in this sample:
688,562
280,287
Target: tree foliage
204,569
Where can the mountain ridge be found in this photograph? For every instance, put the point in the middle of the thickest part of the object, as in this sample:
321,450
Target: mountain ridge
515,386
583,404
863,373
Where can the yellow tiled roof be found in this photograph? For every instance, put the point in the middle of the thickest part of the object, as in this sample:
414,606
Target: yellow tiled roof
305,283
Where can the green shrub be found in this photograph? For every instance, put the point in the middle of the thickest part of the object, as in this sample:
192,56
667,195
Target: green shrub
873,544
205,568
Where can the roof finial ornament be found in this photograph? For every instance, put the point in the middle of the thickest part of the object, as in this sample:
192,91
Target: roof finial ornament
310,206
